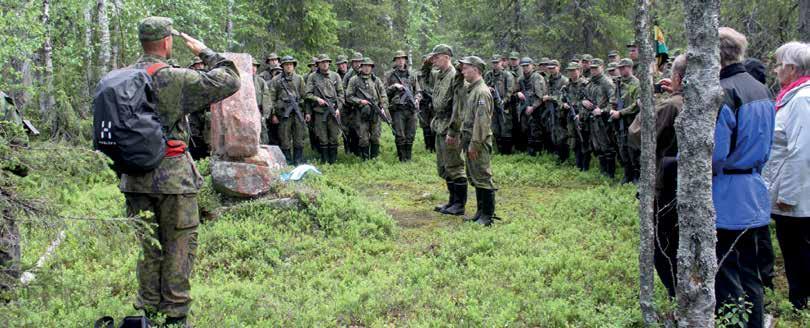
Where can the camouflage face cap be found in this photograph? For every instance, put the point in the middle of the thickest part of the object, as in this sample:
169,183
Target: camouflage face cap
367,62
596,62
586,57
611,67
572,66
155,28
552,63
442,49
322,58
400,54
357,57
255,62
613,53
544,61
496,58
271,56
526,61
625,62
341,59
289,59
276,68
474,61
514,55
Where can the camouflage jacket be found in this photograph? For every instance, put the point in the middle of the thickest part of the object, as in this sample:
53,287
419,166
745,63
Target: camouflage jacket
262,96
327,87
445,87
503,82
533,87
408,79
361,85
629,94
575,93
285,89
349,75
182,91
556,85
600,91
476,130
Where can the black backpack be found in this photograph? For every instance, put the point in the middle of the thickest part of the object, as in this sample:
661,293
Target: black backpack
127,322
126,126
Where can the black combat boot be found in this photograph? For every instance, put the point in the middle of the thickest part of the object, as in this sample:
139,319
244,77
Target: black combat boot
298,155
375,151
457,208
451,201
562,153
488,207
586,161
400,154
363,152
407,152
478,207
333,153
176,323
507,146
628,173
430,142
324,152
610,166
287,156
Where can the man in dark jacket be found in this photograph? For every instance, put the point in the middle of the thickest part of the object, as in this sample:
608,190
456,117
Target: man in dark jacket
742,138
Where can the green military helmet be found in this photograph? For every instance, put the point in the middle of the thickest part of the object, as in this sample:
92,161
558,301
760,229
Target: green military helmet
155,28
474,61
572,66
367,62
597,62
357,57
342,59
613,53
586,57
553,63
400,54
322,58
442,49
289,59
496,58
544,61
612,66
514,55
526,61
625,62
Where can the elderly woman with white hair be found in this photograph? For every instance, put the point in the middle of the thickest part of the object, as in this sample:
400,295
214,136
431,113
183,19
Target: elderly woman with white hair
787,173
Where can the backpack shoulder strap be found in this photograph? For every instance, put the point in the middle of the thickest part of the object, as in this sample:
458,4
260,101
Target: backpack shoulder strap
154,68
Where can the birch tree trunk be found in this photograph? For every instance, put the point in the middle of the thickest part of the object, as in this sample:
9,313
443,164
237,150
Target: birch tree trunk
104,37
229,26
115,53
697,263
46,99
804,20
88,52
646,185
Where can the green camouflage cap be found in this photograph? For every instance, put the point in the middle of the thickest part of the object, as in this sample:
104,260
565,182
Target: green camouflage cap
442,49
322,58
572,66
271,56
342,59
514,55
612,66
613,53
597,62
526,61
553,63
313,61
400,54
276,68
367,61
254,61
496,58
544,61
155,28
625,62
289,59
357,57
577,58
586,57
474,61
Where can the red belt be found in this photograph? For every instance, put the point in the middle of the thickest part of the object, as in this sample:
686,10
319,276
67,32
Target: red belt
175,148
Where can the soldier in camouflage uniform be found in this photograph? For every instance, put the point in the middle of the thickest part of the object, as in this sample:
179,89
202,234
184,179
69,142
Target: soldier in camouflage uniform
585,63
342,63
514,64
199,123
263,102
626,109
447,89
613,56
313,139
555,113
426,109
287,96
531,89
350,137
578,117
170,191
597,100
476,137
404,95
325,93
367,95
501,84
613,71
270,61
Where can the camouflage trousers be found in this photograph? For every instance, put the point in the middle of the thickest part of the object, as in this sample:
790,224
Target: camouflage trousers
326,129
602,137
479,172
367,129
292,132
9,252
164,270
403,121
449,160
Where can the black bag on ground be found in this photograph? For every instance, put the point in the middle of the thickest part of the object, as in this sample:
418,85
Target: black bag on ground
127,322
126,126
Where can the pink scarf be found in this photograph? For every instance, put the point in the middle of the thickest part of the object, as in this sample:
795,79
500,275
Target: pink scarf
786,89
